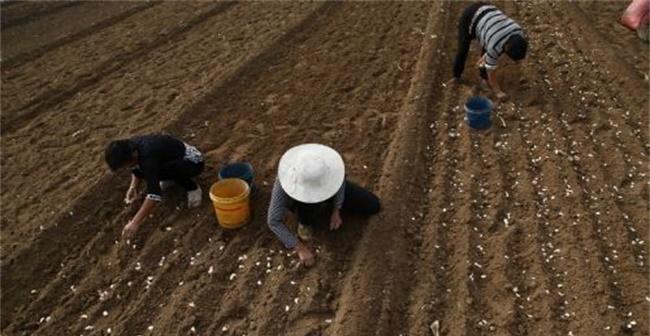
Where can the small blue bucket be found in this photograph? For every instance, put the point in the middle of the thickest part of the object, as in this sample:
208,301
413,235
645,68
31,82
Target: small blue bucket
478,110
240,170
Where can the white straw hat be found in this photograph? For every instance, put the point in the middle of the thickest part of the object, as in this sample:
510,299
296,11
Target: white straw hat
311,173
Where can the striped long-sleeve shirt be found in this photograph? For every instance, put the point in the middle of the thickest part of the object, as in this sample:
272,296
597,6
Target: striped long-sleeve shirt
493,29
280,202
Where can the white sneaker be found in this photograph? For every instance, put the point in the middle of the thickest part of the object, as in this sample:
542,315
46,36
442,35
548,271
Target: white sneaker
194,197
164,185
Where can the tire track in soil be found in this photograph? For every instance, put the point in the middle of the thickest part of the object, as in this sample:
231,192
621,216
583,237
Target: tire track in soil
9,21
28,56
53,97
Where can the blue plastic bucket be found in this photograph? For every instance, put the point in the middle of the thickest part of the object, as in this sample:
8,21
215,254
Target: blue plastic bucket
477,111
240,170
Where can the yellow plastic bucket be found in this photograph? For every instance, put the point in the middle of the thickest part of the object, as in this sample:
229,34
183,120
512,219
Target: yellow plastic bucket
230,198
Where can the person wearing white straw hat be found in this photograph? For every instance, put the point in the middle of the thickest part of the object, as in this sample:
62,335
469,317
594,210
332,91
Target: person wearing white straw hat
311,183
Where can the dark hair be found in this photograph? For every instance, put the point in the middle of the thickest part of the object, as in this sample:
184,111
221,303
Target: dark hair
118,153
516,47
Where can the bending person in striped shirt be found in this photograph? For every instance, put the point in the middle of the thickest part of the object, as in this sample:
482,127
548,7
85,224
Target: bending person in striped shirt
311,184
496,33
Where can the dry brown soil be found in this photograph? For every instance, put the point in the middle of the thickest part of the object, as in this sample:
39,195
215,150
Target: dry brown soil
537,226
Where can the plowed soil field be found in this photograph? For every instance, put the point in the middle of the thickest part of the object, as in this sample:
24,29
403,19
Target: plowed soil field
537,226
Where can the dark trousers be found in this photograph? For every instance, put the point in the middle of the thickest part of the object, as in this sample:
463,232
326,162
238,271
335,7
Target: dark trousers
179,171
358,201
465,37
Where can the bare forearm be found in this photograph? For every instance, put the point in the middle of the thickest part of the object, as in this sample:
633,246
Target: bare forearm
492,80
147,207
135,181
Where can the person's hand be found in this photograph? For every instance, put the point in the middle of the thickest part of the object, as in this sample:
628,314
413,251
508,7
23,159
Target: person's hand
131,195
453,81
335,221
501,95
129,229
305,254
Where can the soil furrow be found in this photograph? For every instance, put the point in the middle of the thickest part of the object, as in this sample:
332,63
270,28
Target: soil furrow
625,94
52,98
544,235
257,145
19,57
74,271
461,278
388,304
535,280
428,300
27,83
509,220
612,33
478,319
581,160
608,140
32,11
607,250
98,125
10,18
536,226
56,229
